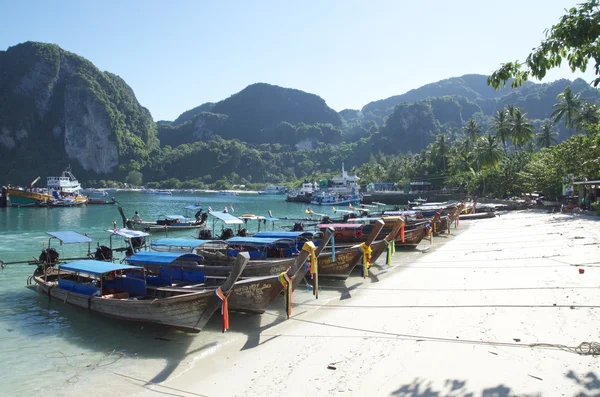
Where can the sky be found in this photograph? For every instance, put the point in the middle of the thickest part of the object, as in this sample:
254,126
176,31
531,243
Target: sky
179,54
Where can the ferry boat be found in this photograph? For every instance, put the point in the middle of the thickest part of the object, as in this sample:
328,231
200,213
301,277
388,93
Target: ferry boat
304,194
269,190
343,190
333,198
65,189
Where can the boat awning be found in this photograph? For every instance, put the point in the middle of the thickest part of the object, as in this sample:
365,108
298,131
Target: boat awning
288,235
180,217
161,258
399,213
363,220
586,183
95,267
251,217
127,233
254,240
180,242
340,225
270,219
70,237
226,218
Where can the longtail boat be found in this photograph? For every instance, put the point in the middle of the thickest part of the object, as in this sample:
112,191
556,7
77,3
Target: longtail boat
123,292
254,294
346,259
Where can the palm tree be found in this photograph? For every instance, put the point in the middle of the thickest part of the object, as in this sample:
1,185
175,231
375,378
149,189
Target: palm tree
521,131
587,114
472,131
441,148
546,137
488,155
501,126
567,108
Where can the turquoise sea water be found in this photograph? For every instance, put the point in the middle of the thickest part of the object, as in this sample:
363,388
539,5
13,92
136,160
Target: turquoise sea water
51,349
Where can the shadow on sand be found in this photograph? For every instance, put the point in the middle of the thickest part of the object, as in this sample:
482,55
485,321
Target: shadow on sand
588,385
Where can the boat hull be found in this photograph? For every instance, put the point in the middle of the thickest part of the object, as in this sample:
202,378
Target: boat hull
183,312
23,198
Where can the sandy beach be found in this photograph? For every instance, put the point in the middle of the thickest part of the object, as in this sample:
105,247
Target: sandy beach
497,310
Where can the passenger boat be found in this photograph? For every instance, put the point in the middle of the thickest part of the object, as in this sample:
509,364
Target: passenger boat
335,199
27,198
304,194
100,197
173,222
254,294
65,190
125,292
340,266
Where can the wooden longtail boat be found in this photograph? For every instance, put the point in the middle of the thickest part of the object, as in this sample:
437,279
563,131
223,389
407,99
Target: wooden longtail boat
414,232
346,259
81,284
182,270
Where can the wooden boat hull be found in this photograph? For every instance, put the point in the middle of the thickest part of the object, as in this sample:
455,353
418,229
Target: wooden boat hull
179,311
346,261
412,237
162,228
480,215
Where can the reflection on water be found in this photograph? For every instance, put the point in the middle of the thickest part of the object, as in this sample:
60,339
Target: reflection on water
49,348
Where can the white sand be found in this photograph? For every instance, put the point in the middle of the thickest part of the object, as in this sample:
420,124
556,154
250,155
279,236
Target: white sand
382,347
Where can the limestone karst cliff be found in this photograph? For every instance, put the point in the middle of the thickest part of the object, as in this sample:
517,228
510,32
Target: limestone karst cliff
57,108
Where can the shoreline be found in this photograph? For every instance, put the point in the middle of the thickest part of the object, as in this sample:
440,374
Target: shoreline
463,316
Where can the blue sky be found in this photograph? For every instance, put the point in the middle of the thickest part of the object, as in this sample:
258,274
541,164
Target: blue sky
179,54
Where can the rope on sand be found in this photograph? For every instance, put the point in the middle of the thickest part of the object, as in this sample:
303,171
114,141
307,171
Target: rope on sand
583,349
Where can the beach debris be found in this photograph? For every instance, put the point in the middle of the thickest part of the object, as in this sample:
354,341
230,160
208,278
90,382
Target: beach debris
581,271
535,377
517,339
161,338
495,354
333,367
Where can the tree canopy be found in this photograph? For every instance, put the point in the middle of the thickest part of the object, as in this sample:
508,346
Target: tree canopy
574,39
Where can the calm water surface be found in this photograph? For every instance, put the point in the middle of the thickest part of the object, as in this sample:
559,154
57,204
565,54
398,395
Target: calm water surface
55,350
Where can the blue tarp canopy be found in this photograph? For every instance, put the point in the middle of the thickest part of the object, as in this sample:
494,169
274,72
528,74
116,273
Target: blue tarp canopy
127,233
180,217
363,220
227,218
253,240
95,267
271,219
180,242
70,237
292,235
161,258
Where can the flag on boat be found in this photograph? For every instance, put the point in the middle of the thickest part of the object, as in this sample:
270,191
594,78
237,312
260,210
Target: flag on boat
270,214
209,208
231,207
225,210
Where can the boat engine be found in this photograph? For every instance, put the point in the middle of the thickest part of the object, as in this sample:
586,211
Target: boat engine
227,234
103,253
205,234
137,243
49,256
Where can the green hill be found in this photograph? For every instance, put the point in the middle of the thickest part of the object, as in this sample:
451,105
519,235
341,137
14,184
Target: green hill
57,108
